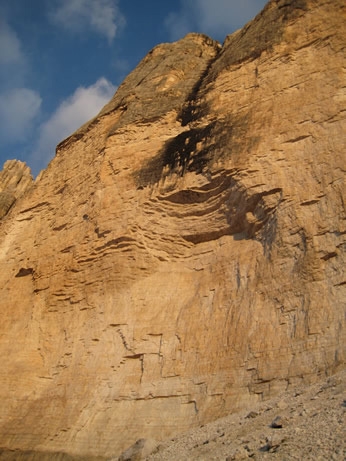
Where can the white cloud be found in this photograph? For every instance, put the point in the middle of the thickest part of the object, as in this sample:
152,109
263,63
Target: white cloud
83,105
19,108
10,47
100,16
217,18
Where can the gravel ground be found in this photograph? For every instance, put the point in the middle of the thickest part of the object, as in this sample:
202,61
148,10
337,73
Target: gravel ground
304,424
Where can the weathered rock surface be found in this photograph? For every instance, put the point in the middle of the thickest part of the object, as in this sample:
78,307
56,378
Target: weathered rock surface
139,450
15,180
182,256
315,430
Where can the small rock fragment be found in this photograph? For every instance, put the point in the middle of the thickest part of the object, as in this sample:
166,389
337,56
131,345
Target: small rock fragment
282,405
273,443
277,423
139,450
238,455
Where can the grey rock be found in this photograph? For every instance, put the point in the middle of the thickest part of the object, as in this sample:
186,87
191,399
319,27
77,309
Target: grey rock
278,423
139,450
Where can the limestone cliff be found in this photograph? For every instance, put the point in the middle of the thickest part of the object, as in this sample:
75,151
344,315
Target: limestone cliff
15,180
182,256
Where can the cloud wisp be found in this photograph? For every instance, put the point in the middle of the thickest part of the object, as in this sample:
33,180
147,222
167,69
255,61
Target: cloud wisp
19,108
13,62
73,112
102,17
10,46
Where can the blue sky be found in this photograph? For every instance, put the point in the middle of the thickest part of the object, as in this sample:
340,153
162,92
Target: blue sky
62,60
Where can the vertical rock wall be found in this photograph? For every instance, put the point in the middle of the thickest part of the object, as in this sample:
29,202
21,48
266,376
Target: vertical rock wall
15,180
182,256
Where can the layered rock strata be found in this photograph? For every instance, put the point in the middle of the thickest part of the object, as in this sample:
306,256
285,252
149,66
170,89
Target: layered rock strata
182,256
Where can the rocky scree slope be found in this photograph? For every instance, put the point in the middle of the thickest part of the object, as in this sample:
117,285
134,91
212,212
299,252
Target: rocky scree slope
307,422
182,256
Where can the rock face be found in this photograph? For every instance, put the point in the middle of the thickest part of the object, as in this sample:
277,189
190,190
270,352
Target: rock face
15,180
182,256
314,429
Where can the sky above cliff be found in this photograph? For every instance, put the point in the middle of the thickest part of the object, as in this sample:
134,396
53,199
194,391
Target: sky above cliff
62,60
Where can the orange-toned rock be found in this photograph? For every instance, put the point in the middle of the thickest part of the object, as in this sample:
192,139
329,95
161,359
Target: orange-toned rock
182,256
15,180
